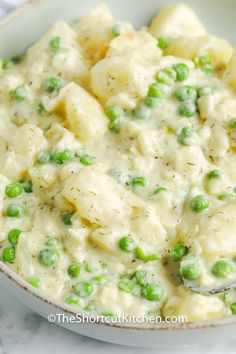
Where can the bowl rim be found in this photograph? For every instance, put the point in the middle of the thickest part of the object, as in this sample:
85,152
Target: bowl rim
15,280
18,11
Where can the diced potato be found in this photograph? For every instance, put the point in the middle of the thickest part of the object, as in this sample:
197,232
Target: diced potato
97,197
219,49
61,138
119,302
195,307
21,152
217,233
69,62
229,75
4,181
218,144
176,20
149,142
128,68
189,161
107,238
148,231
82,112
95,32
43,176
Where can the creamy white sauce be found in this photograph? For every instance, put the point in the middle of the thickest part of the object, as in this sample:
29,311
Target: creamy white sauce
98,70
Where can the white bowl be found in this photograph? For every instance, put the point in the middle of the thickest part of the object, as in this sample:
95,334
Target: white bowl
23,28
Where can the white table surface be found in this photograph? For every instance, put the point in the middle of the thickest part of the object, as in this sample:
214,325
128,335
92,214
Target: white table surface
23,332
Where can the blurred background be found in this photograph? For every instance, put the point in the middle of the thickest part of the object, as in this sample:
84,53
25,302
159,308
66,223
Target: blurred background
6,6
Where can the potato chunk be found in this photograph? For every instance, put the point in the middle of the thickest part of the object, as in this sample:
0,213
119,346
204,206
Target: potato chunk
129,67
95,32
229,75
82,112
67,62
219,49
97,197
195,307
176,20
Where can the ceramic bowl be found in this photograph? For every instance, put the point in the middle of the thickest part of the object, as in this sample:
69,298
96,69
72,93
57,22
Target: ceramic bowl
17,32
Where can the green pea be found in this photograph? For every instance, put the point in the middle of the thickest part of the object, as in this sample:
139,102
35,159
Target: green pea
9,254
162,42
139,253
19,94
61,157
199,203
27,186
53,242
45,157
90,308
222,269
178,251
139,181
156,90
84,288
67,218
104,265
127,276
55,44
153,292
226,196
185,93
204,91
48,257
115,125
151,102
40,109
87,268
142,278
184,135
14,190
113,112
166,76
214,174
233,308
159,190
142,112
109,314
117,30
99,279
86,160
127,244
6,64
187,109
53,84
36,282
15,211
182,72
13,236
74,270
126,285
208,70
232,123
204,60
190,269
17,59
74,301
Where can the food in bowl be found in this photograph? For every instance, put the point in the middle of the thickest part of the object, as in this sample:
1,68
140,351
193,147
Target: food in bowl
117,166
